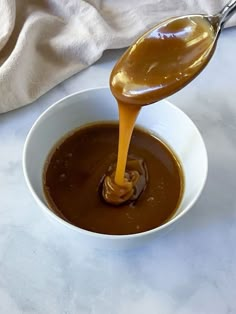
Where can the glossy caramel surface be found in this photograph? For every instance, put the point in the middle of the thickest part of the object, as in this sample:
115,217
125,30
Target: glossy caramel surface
163,60
75,169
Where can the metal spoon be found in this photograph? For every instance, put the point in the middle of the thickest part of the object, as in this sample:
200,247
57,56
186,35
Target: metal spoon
218,20
167,57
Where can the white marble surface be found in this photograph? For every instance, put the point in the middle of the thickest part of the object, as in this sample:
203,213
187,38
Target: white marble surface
43,269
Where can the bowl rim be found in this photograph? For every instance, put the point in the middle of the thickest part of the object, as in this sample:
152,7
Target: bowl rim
91,233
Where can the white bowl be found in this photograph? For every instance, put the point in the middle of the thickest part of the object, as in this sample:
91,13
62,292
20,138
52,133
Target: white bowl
165,120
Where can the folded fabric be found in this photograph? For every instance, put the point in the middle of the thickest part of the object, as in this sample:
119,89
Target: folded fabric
44,42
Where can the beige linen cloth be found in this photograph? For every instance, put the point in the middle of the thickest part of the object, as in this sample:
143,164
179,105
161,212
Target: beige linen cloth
43,42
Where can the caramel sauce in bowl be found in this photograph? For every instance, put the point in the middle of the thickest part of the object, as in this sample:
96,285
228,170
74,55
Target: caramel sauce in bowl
94,106
158,64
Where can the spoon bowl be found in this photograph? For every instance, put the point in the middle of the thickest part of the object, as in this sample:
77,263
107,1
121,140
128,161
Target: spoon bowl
167,57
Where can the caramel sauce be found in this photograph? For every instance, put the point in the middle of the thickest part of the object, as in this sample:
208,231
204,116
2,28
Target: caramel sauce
75,170
85,182
160,63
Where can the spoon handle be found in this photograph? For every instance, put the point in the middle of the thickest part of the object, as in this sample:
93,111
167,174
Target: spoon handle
227,11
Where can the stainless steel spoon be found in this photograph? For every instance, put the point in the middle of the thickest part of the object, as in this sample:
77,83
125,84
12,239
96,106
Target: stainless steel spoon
167,57
218,20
